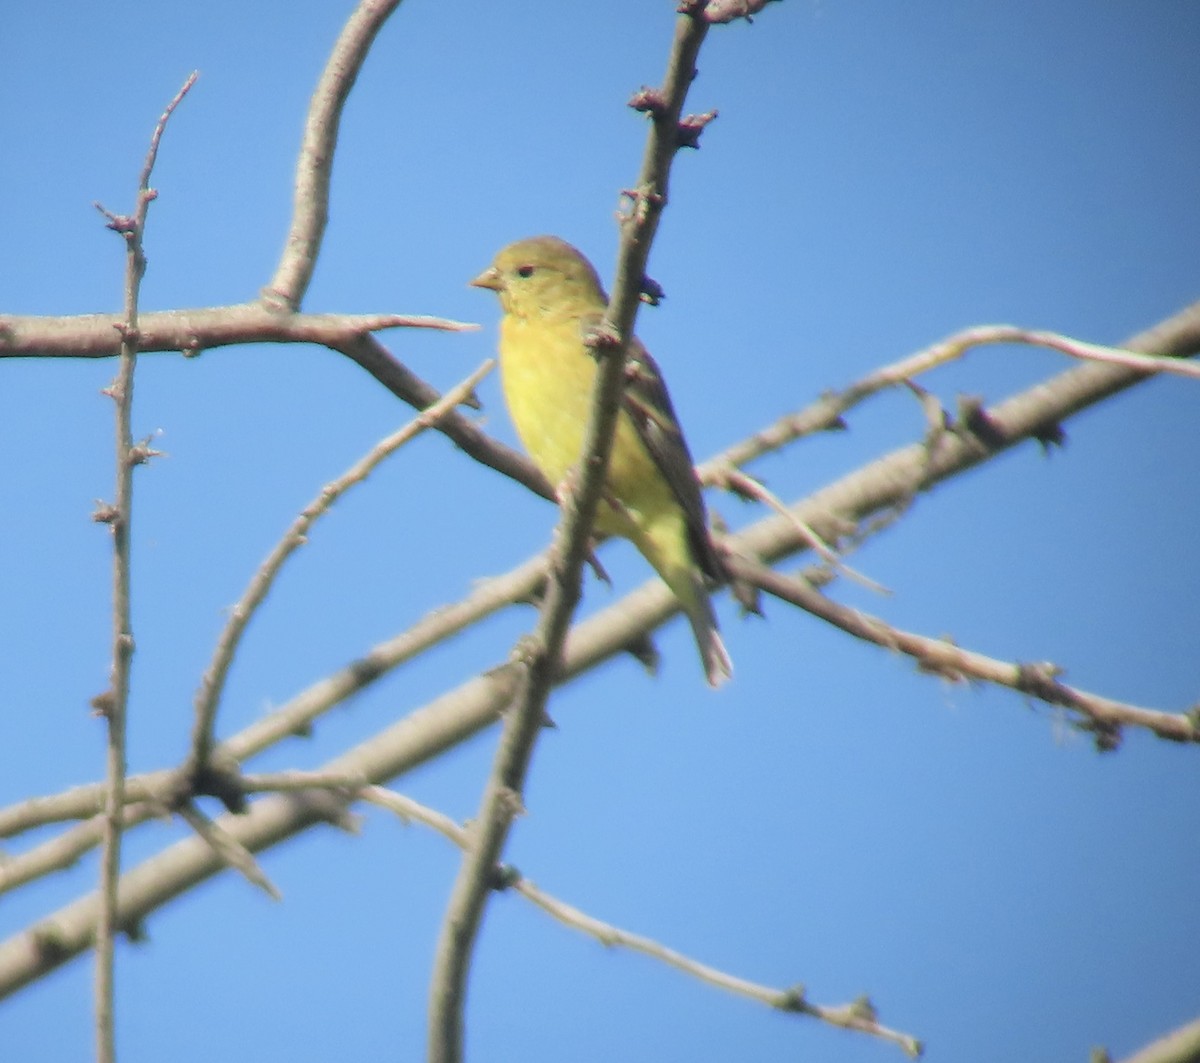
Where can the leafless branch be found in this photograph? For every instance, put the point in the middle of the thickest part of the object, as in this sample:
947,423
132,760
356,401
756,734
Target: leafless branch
65,849
79,802
1152,351
209,695
1102,716
1179,1046
192,332
792,1000
113,703
314,169
230,851
369,353
539,668
279,782
746,486
876,488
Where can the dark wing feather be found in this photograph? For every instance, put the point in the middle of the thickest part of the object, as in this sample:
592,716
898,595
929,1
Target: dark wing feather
649,407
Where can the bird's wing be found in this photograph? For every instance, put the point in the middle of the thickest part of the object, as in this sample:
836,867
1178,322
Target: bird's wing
648,406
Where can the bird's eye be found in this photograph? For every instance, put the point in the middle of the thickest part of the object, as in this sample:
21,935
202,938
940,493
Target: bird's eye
525,271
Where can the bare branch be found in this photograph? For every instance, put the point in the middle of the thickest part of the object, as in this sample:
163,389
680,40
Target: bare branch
369,353
1088,352
876,488
314,168
1179,1046
792,1000
502,799
1102,716
193,331
476,704
1177,337
297,715
746,486
65,849
854,1016
79,802
113,703
209,695
228,849
285,781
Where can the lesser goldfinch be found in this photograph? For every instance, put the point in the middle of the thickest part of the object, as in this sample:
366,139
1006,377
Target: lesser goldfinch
552,298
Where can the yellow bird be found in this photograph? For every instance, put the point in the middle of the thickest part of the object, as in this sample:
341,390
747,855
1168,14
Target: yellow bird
551,297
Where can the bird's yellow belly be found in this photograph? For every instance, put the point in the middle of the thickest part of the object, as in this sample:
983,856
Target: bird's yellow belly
548,375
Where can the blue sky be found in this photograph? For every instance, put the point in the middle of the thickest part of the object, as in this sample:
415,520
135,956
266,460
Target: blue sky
880,175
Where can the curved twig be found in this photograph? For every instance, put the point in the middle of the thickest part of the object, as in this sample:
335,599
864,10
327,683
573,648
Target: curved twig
209,695
314,168
1149,352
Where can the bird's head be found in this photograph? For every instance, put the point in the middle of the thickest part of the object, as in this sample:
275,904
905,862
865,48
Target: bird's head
543,276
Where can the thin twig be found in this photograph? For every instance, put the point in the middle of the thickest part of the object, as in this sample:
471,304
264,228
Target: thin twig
792,1000
209,695
827,412
1089,352
539,670
113,703
854,1016
1103,716
228,848
746,486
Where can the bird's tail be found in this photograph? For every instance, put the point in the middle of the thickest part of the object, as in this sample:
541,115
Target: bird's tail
717,665
663,542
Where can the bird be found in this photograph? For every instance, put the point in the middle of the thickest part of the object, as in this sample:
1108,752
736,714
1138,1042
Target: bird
552,299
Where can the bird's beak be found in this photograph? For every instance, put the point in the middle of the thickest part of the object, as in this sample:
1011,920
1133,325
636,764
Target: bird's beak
489,278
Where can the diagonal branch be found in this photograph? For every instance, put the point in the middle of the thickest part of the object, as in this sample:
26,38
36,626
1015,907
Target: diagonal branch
502,798
877,487
1175,338
194,331
209,695
941,657
465,711
65,849
1181,1045
792,1000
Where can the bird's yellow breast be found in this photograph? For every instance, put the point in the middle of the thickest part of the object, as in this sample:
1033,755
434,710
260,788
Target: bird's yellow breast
548,374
